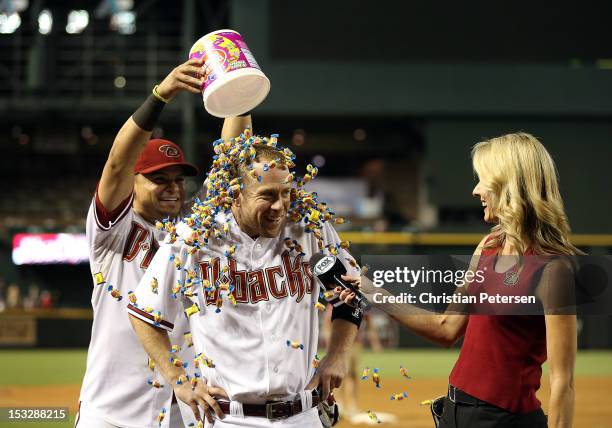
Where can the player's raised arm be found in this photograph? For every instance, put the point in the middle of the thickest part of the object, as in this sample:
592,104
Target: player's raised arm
233,126
117,181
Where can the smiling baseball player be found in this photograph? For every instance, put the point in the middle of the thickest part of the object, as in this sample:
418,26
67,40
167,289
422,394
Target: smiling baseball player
249,294
142,182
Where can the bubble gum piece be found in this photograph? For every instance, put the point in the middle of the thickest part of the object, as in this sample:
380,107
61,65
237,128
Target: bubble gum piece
99,278
320,306
404,372
155,383
230,251
194,380
157,318
376,378
161,416
132,297
399,397
373,417
315,361
177,362
189,293
314,216
115,293
295,344
193,309
177,263
232,299
365,373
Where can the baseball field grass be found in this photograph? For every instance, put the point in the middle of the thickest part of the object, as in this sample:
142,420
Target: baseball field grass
51,378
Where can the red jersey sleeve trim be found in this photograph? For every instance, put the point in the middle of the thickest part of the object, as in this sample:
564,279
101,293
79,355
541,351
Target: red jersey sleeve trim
147,317
106,219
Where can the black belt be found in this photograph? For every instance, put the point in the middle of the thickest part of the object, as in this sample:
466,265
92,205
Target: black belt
272,409
458,396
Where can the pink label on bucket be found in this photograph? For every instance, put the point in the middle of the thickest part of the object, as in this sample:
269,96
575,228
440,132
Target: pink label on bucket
225,51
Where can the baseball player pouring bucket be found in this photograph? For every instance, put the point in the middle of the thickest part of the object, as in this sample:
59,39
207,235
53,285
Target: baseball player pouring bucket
142,182
238,269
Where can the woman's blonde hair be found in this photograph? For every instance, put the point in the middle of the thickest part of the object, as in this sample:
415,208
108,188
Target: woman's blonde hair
522,181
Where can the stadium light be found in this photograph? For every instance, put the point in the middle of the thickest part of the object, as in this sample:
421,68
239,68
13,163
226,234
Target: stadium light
77,21
45,22
14,5
123,22
9,23
110,7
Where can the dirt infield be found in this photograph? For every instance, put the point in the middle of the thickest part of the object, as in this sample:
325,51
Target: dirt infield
593,404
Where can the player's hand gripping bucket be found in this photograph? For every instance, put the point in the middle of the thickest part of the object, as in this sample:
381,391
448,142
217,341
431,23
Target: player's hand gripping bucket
235,84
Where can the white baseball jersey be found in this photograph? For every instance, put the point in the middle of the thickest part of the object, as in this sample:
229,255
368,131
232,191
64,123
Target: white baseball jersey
122,244
275,294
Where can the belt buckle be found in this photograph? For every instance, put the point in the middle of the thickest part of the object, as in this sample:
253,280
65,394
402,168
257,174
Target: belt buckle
452,393
274,410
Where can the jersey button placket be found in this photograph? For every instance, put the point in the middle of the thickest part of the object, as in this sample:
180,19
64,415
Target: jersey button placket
257,250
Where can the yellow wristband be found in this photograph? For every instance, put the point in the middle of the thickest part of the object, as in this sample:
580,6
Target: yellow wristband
159,97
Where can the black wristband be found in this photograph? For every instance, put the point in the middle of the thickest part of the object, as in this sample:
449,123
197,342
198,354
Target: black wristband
348,313
148,113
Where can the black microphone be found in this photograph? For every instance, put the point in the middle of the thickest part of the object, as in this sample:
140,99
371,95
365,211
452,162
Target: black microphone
329,270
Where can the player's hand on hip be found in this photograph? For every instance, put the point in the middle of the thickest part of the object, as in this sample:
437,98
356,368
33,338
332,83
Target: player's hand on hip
201,396
330,372
189,76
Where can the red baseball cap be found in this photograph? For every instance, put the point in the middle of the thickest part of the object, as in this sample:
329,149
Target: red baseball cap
159,154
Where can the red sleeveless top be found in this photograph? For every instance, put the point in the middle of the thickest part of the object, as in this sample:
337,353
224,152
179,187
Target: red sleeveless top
502,355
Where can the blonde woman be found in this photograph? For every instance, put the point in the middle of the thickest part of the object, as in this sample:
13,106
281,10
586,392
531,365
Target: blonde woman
495,379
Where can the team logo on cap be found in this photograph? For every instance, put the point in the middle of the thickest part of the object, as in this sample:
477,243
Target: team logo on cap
169,151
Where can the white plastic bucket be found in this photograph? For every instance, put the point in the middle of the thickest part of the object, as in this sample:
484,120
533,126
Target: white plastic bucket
236,84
